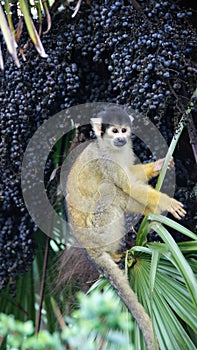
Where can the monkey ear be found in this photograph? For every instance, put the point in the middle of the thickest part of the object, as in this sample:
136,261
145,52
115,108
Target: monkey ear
96,124
131,118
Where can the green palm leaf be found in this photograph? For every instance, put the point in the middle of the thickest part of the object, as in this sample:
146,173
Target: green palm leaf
176,257
24,305
163,292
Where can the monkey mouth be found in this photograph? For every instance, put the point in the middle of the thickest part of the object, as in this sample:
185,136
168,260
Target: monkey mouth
120,143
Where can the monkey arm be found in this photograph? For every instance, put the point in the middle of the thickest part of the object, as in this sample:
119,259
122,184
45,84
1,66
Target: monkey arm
153,201
147,171
144,172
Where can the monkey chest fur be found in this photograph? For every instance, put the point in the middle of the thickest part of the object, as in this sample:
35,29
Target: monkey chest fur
96,189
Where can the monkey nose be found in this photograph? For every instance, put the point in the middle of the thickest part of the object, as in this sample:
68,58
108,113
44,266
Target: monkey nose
120,141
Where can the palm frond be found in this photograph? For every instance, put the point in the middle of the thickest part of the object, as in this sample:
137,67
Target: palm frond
11,34
163,292
31,29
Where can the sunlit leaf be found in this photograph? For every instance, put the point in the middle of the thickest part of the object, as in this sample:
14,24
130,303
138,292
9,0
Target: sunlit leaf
154,265
169,154
175,255
31,29
169,330
7,7
142,232
8,36
171,223
188,247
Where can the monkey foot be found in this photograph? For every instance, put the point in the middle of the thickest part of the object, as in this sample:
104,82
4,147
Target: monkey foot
116,257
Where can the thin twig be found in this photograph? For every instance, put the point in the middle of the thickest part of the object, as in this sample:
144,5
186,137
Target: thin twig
192,135
48,16
191,128
59,315
77,7
43,282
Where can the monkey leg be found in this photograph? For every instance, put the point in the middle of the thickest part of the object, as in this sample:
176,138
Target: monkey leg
103,225
118,280
105,229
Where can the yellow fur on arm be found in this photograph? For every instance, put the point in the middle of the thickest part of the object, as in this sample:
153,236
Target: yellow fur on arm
144,172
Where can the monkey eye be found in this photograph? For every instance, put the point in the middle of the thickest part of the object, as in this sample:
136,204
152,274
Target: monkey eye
124,130
115,131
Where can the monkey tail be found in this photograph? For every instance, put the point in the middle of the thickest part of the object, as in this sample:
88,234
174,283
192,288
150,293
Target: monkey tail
118,280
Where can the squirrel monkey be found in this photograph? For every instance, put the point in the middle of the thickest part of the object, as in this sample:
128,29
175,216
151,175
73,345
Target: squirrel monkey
102,185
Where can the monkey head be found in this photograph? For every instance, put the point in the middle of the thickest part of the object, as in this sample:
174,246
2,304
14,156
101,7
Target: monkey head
113,126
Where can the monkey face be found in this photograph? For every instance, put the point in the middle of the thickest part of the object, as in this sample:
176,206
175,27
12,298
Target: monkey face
118,135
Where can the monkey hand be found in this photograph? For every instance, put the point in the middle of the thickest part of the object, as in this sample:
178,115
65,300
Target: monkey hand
171,163
159,163
158,202
176,209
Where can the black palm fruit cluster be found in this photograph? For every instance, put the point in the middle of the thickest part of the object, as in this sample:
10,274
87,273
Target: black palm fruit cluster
135,53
